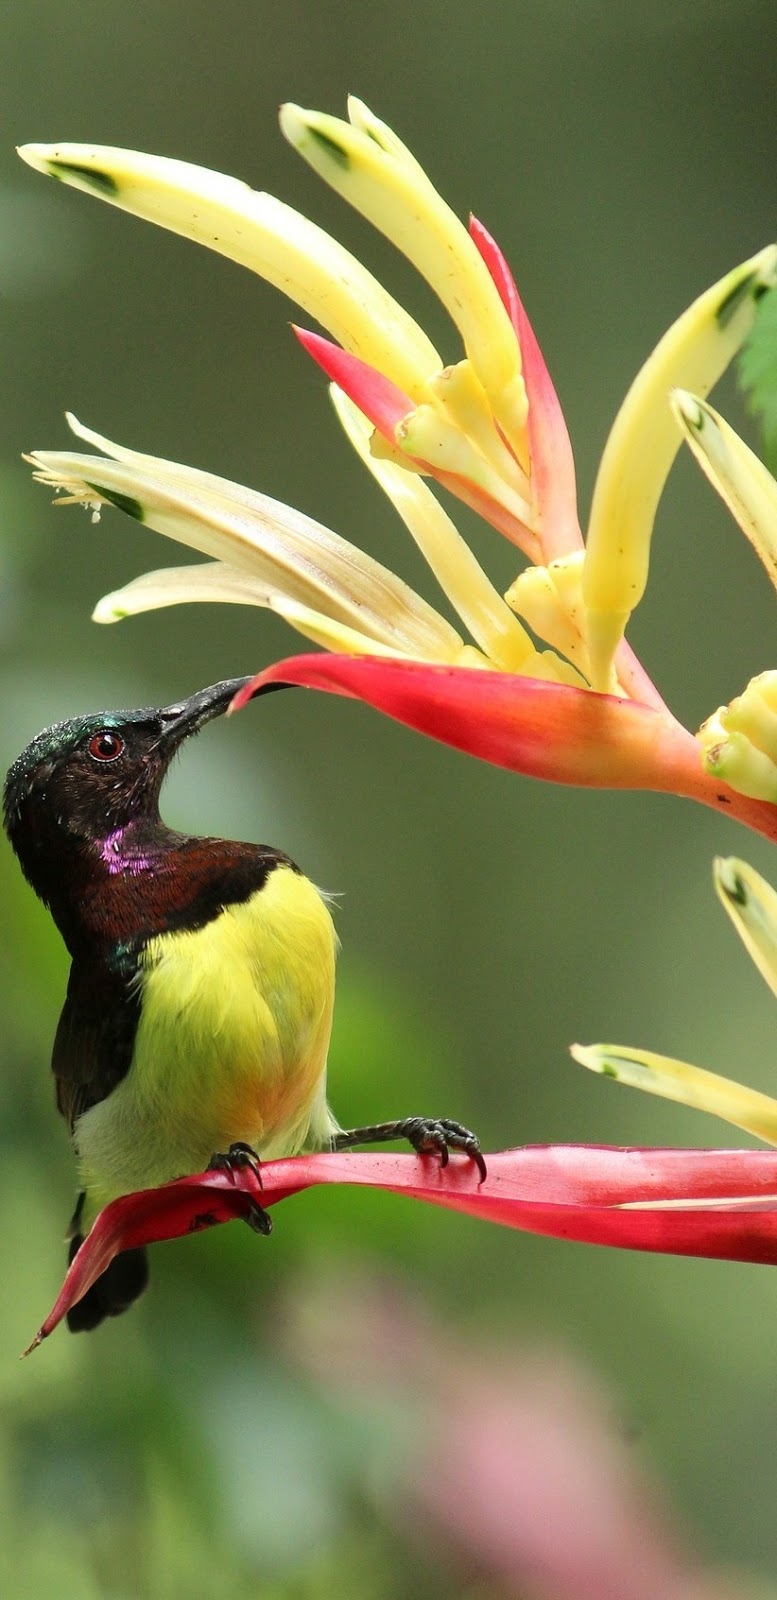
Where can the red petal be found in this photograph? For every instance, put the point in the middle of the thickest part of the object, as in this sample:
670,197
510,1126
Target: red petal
377,397
726,1201
552,462
544,730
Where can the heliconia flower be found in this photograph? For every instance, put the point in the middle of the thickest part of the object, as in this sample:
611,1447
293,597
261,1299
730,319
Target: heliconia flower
752,906
542,680
716,1203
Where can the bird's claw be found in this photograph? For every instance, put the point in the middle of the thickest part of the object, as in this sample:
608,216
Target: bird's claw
238,1155
440,1135
242,1155
258,1219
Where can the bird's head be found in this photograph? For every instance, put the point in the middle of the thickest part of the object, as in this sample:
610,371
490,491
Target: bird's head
81,782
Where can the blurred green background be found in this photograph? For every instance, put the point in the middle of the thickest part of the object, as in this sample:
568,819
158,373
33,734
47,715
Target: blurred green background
623,156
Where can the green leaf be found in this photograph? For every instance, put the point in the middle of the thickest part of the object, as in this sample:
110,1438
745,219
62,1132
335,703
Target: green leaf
758,372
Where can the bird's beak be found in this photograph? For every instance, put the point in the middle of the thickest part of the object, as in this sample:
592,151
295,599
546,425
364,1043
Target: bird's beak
186,717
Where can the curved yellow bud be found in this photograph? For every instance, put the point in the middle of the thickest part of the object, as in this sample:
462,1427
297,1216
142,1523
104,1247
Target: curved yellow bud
643,443
261,233
687,1085
375,173
751,903
741,479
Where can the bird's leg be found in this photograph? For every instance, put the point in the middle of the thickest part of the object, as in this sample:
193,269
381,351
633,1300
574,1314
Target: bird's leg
242,1155
427,1135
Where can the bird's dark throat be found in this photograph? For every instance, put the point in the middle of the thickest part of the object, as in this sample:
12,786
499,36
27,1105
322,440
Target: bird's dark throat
146,880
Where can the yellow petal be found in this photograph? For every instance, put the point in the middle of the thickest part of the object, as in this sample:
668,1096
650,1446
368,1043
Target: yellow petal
261,233
175,586
462,579
742,481
285,551
331,635
217,582
751,903
429,435
550,600
690,1086
462,398
642,446
373,171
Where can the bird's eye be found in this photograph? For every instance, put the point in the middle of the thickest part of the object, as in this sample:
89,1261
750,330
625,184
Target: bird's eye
105,746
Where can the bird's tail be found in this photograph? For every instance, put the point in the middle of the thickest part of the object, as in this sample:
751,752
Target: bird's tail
115,1289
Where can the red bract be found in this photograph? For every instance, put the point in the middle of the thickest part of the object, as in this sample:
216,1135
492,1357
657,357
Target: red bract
717,1203
543,730
550,450
381,400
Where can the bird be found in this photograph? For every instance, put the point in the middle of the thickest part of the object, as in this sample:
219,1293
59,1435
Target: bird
196,1025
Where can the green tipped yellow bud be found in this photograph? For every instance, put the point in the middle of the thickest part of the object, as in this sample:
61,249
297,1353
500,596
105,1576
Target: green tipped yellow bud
687,1085
643,443
742,481
751,903
259,232
739,741
366,164
360,116
742,767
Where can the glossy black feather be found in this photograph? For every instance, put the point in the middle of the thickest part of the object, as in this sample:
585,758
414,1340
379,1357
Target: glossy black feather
113,1292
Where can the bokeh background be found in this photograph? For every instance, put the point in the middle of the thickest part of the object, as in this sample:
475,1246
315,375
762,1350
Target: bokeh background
623,156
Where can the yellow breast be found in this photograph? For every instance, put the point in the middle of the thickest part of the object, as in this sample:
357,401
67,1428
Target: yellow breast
231,1044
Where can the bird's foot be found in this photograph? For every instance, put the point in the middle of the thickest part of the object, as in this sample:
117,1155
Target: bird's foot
240,1155
427,1135
439,1135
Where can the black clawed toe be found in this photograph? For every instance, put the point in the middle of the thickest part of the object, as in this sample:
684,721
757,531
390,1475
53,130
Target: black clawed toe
258,1219
242,1155
427,1135
238,1155
439,1135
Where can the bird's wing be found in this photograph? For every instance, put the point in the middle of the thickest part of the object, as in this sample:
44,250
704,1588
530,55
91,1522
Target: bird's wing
96,1034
